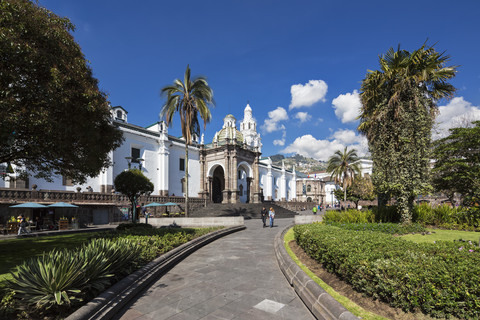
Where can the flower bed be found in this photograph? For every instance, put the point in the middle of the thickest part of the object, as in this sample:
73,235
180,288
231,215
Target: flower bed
59,281
441,279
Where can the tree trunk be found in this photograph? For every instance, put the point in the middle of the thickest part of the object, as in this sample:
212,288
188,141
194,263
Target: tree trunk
134,210
186,179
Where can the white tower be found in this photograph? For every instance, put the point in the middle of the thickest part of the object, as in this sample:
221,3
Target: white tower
248,127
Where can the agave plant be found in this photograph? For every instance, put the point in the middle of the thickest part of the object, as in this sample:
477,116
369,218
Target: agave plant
53,278
64,277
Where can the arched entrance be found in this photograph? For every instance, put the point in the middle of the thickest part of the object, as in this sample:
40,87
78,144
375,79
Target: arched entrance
218,185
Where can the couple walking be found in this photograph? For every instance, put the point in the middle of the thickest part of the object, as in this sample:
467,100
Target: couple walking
270,214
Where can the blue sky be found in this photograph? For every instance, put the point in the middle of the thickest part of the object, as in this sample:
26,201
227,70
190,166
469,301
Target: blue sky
298,63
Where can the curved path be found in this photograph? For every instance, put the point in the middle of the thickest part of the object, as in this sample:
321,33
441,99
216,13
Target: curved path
235,277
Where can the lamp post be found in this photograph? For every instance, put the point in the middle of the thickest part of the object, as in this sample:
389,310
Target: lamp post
129,162
333,192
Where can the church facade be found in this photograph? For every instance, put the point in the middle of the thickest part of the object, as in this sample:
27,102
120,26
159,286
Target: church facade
230,169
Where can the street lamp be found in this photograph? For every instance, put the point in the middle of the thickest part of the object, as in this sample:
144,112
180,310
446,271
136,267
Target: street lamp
129,161
139,160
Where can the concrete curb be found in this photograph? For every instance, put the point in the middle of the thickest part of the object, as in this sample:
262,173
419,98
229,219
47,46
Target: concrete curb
315,298
111,301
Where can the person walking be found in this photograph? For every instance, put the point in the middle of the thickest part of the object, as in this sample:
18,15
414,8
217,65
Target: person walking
271,215
264,216
314,209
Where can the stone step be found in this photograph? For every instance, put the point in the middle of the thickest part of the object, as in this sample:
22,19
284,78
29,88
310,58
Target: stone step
247,210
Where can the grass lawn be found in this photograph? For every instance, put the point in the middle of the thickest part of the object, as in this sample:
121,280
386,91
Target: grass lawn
445,235
14,251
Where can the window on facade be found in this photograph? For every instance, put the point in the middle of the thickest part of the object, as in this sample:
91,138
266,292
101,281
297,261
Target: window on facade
66,181
309,188
119,114
135,154
182,164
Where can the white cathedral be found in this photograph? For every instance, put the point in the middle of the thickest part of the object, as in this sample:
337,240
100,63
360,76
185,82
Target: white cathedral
227,170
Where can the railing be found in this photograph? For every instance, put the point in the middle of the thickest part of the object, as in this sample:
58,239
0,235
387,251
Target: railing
12,196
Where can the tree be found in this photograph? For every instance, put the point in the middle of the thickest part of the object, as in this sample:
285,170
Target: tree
457,164
53,117
132,183
189,99
361,189
397,116
342,166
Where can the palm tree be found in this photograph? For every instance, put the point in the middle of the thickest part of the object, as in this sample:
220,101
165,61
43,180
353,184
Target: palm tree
399,104
421,71
189,99
343,167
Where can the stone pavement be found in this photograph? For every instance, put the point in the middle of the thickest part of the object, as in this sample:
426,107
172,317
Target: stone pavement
235,277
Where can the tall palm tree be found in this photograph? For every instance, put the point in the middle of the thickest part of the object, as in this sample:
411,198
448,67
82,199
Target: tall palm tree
422,71
343,167
399,104
189,99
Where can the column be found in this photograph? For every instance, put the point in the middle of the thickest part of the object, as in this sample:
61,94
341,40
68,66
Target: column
163,168
234,175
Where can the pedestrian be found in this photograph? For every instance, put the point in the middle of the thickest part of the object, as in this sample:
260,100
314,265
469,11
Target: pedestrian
264,216
314,209
22,225
271,215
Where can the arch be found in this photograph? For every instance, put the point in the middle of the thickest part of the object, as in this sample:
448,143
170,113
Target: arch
218,184
213,167
245,166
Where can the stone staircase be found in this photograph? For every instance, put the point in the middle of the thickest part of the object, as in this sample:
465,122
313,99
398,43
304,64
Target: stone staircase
247,210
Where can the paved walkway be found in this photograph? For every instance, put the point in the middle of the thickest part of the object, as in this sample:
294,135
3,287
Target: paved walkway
235,277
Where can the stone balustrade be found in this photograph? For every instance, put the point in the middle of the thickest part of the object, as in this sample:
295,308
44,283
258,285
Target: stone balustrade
13,196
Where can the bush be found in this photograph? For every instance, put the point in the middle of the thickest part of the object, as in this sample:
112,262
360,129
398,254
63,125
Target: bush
442,279
390,228
349,216
134,226
444,216
386,214
423,213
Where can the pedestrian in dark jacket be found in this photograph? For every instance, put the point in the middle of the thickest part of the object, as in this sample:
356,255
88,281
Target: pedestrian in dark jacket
264,214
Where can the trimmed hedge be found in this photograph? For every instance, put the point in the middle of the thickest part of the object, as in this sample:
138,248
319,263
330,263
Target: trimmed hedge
349,216
390,228
441,279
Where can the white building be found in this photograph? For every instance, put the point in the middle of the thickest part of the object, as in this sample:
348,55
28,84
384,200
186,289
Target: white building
228,170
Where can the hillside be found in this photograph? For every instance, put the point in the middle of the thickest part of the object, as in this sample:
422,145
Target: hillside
302,164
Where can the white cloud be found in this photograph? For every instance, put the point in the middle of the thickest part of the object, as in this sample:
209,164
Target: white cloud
347,106
274,117
309,146
347,137
308,94
457,113
280,142
303,116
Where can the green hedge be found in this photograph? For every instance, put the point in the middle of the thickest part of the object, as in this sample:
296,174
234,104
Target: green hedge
390,228
441,279
349,216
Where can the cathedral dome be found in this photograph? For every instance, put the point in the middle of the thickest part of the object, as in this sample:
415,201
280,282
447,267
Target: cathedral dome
229,130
